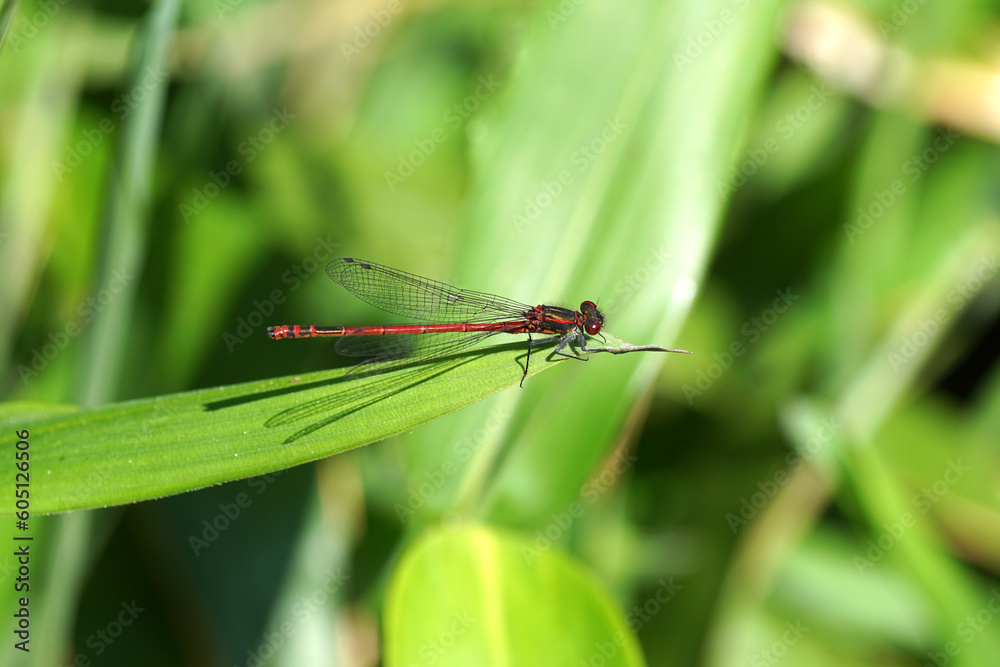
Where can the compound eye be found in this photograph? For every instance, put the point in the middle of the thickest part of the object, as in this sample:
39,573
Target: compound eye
592,328
588,307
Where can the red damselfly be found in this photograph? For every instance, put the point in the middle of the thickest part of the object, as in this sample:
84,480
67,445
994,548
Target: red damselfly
460,317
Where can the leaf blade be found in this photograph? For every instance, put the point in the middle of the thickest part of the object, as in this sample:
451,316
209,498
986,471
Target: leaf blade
143,449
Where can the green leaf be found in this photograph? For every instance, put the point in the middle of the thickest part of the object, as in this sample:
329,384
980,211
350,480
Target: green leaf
477,596
142,449
126,216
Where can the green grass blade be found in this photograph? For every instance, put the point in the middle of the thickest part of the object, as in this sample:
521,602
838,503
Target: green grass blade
137,450
126,215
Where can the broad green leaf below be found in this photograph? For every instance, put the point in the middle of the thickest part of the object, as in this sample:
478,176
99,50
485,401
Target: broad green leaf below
473,595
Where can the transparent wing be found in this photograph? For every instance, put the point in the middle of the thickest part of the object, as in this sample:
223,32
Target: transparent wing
408,347
419,298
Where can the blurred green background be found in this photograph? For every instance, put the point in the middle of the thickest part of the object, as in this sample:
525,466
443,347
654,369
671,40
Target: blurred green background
804,194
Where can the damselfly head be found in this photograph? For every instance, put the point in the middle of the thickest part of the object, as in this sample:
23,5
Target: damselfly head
593,319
